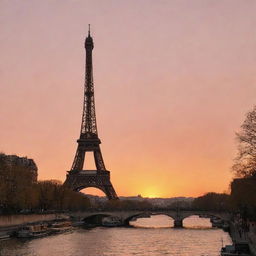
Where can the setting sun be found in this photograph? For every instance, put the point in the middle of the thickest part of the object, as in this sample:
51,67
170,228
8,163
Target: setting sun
152,192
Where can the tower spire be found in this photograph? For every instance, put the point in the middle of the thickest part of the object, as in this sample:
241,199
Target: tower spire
89,29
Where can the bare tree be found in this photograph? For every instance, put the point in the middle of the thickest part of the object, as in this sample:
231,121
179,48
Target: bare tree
245,162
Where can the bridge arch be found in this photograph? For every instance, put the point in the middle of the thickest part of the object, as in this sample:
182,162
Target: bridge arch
144,215
206,215
223,217
195,221
96,218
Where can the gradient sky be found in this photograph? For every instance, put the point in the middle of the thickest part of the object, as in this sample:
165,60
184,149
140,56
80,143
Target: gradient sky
173,82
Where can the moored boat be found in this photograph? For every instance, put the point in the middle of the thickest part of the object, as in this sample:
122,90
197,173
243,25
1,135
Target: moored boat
33,231
111,221
4,236
216,222
77,223
60,226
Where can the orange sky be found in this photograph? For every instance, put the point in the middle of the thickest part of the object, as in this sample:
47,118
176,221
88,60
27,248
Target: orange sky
173,81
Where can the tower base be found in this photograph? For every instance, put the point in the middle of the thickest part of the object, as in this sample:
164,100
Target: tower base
77,180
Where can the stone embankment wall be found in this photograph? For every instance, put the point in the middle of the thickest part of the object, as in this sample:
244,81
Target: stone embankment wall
252,237
238,236
15,220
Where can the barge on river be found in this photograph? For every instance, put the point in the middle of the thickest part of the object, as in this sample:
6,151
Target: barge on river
33,231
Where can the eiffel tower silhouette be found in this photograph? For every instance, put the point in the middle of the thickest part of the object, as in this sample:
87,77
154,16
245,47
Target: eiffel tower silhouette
77,178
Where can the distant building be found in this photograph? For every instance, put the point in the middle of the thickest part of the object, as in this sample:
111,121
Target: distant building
29,164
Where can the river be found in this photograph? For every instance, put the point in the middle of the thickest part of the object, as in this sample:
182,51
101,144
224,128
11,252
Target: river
148,237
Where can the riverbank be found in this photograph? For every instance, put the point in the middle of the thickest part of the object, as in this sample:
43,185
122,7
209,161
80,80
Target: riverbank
9,224
19,219
239,236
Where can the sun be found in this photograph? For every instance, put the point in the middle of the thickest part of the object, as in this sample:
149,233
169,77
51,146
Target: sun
151,193
152,196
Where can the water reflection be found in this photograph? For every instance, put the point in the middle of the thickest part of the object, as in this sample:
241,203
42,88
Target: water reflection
197,223
155,221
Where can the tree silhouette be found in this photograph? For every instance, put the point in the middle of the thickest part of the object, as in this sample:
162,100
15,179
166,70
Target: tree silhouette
245,162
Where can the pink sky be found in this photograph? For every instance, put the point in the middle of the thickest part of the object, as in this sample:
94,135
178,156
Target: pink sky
173,82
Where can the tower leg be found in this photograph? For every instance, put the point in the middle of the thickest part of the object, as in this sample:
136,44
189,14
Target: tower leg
99,160
110,192
79,160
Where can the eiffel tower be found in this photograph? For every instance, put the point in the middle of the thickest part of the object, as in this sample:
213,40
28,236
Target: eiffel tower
77,178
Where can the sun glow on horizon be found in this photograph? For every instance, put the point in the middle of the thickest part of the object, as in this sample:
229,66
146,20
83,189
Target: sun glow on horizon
151,196
152,193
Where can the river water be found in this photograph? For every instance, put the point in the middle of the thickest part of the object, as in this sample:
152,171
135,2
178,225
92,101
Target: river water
148,237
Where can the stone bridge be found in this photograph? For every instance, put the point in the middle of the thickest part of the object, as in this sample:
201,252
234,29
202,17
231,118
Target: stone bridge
126,216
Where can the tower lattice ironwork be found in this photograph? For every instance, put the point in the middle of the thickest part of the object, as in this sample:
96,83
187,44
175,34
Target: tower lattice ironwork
77,178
